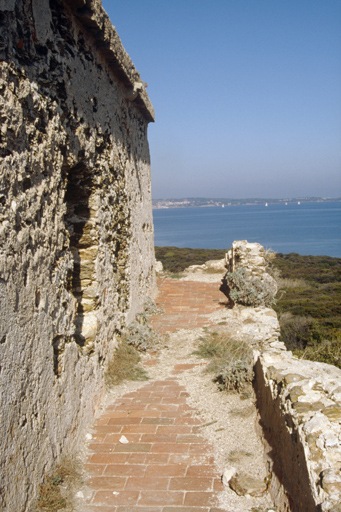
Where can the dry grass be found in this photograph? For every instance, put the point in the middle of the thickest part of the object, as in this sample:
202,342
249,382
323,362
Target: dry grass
124,365
50,497
231,361
212,270
175,276
327,351
292,283
269,255
238,455
245,412
56,492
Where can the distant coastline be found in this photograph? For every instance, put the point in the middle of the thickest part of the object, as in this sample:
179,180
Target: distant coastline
308,228
204,202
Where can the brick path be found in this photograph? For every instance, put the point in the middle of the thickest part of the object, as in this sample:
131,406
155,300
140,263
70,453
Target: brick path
185,304
166,466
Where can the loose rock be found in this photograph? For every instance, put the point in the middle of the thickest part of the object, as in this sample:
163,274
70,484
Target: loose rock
245,484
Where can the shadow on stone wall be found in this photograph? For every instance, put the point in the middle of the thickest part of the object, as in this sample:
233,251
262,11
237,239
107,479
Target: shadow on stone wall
80,221
290,486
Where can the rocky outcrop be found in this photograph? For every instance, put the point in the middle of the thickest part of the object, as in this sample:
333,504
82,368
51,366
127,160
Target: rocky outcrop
207,272
299,404
76,232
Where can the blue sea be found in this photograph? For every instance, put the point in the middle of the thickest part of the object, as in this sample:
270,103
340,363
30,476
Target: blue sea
306,228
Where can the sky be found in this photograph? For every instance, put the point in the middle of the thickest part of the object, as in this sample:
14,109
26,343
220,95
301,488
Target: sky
247,94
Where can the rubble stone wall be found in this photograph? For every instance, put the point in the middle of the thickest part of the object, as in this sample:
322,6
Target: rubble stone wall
249,256
299,405
76,231
300,411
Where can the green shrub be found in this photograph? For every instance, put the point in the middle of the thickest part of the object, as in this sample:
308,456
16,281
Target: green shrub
298,331
140,335
309,306
235,375
317,269
247,290
326,351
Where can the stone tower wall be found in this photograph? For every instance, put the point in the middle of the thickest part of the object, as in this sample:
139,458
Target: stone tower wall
76,232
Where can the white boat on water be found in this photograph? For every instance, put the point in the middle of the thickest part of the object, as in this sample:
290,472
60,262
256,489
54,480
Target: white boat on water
266,204
299,202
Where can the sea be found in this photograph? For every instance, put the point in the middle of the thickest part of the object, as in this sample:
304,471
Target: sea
305,228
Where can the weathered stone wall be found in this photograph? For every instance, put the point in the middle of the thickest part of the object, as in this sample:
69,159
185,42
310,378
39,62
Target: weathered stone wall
300,410
299,405
76,232
249,256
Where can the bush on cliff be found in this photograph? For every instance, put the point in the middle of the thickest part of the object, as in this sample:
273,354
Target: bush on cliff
309,306
249,291
298,331
327,351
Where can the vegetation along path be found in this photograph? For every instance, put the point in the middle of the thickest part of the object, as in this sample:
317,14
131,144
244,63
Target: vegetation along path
163,445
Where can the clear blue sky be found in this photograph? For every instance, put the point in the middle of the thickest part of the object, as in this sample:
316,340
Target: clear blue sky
247,94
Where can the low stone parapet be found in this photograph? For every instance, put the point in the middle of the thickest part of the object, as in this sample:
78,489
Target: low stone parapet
299,404
247,255
300,410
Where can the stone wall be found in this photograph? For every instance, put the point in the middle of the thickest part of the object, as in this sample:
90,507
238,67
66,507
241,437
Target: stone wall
76,232
299,404
249,256
300,410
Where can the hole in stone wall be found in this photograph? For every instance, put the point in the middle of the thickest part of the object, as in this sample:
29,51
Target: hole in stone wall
58,345
26,184
25,276
81,225
37,299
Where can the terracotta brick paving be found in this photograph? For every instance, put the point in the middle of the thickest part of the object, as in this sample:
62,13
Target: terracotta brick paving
185,304
166,466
